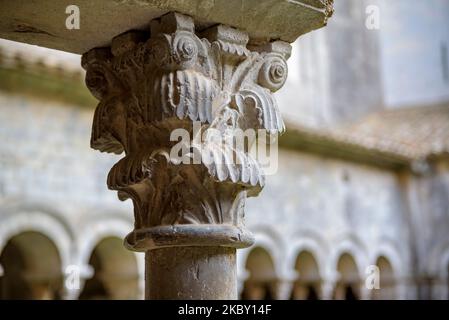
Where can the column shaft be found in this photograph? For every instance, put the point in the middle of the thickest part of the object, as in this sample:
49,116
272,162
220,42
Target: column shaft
191,273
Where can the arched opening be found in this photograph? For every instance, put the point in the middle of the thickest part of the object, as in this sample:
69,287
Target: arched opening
307,286
262,276
387,290
31,268
115,272
348,285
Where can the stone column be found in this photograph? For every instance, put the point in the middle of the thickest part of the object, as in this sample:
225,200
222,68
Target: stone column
328,286
188,195
283,289
365,293
73,287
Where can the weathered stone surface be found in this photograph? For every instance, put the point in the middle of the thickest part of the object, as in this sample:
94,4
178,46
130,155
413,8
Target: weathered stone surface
149,88
308,200
191,273
313,203
43,22
181,79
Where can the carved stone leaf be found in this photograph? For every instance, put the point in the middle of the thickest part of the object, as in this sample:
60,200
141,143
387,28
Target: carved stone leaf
185,93
149,86
226,163
259,103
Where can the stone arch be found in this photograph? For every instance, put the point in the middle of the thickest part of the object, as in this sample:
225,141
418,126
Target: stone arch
94,251
307,241
115,273
391,252
50,225
387,282
272,242
267,238
352,245
32,267
394,266
348,285
348,262
308,284
97,228
259,284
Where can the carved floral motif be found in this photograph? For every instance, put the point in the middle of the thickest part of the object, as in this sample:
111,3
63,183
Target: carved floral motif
149,86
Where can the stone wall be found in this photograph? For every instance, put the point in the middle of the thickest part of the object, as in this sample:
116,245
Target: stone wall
344,52
50,174
52,182
329,207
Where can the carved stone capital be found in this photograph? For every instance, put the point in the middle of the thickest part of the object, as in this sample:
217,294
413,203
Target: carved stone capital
172,78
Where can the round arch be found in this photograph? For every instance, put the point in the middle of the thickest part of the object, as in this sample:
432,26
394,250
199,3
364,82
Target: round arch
97,229
115,272
47,224
32,268
271,241
353,246
261,275
394,266
94,233
348,286
388,250
387,282
307,241
308,284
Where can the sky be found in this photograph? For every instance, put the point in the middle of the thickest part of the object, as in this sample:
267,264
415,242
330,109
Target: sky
412,34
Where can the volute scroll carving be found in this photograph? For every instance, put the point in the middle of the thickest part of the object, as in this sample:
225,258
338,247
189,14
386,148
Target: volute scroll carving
149,86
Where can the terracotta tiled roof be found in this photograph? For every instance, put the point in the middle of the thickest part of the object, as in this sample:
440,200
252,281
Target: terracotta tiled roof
396,137
415,132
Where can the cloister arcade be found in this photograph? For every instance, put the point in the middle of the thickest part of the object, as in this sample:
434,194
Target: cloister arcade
34,264
361,182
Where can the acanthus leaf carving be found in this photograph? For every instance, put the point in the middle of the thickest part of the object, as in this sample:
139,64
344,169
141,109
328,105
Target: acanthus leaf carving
150,86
